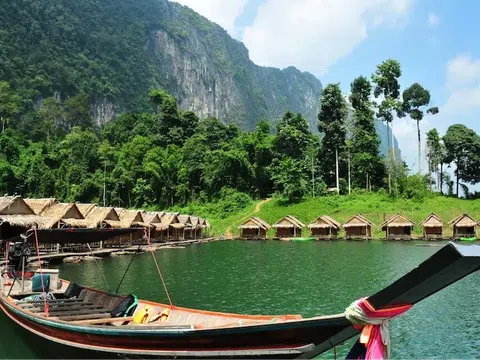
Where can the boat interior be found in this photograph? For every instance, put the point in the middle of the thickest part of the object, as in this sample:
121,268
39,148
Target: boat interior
73,303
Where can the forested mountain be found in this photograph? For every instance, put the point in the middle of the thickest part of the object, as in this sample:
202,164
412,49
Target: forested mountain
114,51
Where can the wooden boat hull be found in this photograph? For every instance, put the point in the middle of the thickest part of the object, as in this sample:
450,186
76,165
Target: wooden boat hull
287,339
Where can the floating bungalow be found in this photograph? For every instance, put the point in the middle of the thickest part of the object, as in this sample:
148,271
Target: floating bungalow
464,226
172,226
197,229
358,228
16,217
325,228
188,230
432,227
288,227
398,227
254,228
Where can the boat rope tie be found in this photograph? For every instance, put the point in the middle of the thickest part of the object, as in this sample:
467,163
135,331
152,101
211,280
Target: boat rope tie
44,294
150,248
374,325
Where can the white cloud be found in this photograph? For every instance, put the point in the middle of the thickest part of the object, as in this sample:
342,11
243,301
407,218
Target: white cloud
222,12
463,83
433,20
314,34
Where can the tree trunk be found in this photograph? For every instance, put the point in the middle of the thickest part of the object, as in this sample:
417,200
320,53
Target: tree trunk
388,161
3,124
336,168
349,178
456,174
441,178
419,148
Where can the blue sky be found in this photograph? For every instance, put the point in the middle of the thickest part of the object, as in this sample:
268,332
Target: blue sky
337,40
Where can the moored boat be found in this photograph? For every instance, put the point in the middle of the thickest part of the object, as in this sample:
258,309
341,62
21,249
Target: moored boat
80,317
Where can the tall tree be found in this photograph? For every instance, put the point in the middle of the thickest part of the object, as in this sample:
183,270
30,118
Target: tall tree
9,103
332,116
434,154
368,167
463,149
386,83
415,99
293,136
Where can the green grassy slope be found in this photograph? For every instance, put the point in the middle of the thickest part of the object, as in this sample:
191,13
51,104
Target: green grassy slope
375,207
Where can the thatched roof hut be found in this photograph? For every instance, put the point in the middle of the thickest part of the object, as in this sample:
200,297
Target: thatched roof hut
67,213
185,220
432,227
171,223
358,227
131,218
152,218
14,205
398,227
464,226
39,205
103,217
324,227
85,209
288,226
254,228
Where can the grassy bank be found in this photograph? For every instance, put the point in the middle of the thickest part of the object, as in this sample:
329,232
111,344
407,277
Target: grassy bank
375,207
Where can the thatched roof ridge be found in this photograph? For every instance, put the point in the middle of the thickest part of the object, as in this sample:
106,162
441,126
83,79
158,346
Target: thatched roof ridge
325,221
60,211
357,220
195,221
432,220
464,220
170,218
99,214
397,220
85,209
288,221
185,219
39,205
151,217
129,217
14,205
207,224
254,223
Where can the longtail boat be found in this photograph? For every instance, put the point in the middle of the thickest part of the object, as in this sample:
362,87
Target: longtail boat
80,317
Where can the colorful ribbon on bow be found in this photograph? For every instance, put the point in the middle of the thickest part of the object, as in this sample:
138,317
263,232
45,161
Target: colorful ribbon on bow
374,325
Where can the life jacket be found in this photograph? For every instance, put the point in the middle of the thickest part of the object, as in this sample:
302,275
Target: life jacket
141,316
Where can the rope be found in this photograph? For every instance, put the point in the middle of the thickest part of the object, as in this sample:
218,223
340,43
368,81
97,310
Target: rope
99,269
147,235
44,295
128,267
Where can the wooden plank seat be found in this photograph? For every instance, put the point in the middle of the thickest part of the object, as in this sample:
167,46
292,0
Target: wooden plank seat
41,303
80,311
69,309
41,306
57,301
104,315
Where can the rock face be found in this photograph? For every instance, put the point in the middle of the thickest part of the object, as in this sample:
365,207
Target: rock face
211,73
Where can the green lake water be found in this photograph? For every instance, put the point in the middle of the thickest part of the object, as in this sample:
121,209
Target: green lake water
307,278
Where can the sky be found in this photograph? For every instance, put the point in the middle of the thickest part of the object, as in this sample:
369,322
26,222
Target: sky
338,40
